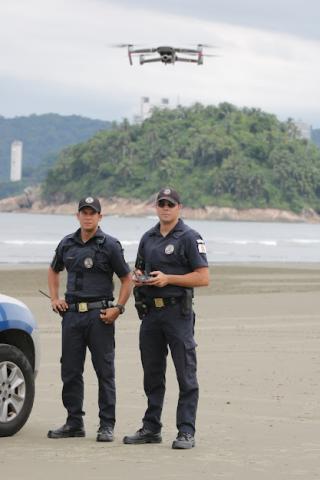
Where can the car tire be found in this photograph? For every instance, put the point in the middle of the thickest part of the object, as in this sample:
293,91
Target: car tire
17,390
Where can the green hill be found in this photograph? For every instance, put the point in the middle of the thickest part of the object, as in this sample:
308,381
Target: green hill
43,137
220,155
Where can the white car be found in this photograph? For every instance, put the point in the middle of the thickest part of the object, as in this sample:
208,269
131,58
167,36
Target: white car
19,363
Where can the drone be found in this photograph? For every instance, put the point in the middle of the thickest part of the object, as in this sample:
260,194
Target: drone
167,55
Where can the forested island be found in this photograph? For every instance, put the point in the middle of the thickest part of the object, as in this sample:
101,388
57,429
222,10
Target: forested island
214,155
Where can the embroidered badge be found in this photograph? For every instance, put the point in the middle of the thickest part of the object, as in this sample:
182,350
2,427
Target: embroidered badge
169,249
88,262
202,248
167,191
89,200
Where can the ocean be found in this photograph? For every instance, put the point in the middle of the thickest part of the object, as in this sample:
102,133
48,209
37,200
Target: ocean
32,238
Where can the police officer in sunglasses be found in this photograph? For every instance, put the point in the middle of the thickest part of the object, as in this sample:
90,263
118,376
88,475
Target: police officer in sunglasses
171,261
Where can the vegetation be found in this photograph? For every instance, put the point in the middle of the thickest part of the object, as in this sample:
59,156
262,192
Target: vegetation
43,136
213,155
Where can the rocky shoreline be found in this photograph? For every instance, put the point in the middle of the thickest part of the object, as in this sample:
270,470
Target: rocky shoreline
31,202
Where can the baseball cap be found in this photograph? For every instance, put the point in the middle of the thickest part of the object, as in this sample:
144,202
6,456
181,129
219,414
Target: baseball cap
168,194
90,202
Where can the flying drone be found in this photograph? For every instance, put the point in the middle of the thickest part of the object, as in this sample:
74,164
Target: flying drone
167,55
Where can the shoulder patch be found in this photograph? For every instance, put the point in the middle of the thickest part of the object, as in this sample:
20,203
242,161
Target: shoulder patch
202,248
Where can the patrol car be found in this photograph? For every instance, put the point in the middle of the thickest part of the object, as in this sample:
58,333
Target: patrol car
19,362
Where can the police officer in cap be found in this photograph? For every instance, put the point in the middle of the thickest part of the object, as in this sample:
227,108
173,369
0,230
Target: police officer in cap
171,261
91,257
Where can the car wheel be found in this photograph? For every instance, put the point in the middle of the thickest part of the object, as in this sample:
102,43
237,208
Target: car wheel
16,389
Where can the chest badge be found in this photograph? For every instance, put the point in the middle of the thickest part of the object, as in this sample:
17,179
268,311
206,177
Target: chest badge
169,249
88,262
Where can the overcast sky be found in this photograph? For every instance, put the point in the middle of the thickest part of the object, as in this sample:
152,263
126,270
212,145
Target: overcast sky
55,56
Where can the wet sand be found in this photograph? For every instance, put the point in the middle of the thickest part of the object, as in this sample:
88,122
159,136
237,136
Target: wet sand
258,335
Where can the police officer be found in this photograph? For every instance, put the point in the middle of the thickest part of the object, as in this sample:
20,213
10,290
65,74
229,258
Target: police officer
171,261
91,257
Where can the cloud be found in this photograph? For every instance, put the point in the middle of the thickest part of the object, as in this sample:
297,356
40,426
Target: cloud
56,56
294,17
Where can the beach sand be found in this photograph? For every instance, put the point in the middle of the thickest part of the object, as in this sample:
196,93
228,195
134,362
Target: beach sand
258,335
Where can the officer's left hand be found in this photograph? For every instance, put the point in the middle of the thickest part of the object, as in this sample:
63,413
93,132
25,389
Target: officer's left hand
109,315
159,279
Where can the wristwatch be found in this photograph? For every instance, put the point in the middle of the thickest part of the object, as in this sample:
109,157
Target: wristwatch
120,307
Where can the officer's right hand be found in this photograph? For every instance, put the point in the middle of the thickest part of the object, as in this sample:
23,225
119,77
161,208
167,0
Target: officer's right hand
59,305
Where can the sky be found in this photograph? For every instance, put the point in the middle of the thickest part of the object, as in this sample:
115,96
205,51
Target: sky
58,56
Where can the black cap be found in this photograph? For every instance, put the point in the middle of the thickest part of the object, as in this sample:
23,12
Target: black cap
169,194
90,202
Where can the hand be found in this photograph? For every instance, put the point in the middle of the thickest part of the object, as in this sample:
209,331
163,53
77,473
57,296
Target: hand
159,279
135,280
59,305
109,315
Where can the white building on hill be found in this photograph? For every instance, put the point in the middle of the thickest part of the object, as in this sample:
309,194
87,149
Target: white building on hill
304,129
16,161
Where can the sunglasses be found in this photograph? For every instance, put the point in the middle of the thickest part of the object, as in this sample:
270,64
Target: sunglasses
165,203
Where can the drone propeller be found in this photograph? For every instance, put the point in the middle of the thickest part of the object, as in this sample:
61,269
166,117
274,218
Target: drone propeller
206,45
210,55
125,45
121,45
203,45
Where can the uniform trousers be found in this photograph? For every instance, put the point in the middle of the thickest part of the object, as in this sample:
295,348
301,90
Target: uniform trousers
160,328
79,331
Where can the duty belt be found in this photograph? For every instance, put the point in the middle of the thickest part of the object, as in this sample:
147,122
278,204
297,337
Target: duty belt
160,302
83,307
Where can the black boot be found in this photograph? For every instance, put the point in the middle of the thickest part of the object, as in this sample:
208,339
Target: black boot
105,434
184,441
67,431
144,435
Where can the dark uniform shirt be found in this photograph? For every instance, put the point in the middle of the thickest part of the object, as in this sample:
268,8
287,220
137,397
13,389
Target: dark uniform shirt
180,252
90,265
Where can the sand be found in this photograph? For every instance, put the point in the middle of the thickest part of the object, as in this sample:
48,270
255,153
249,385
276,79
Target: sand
258,335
